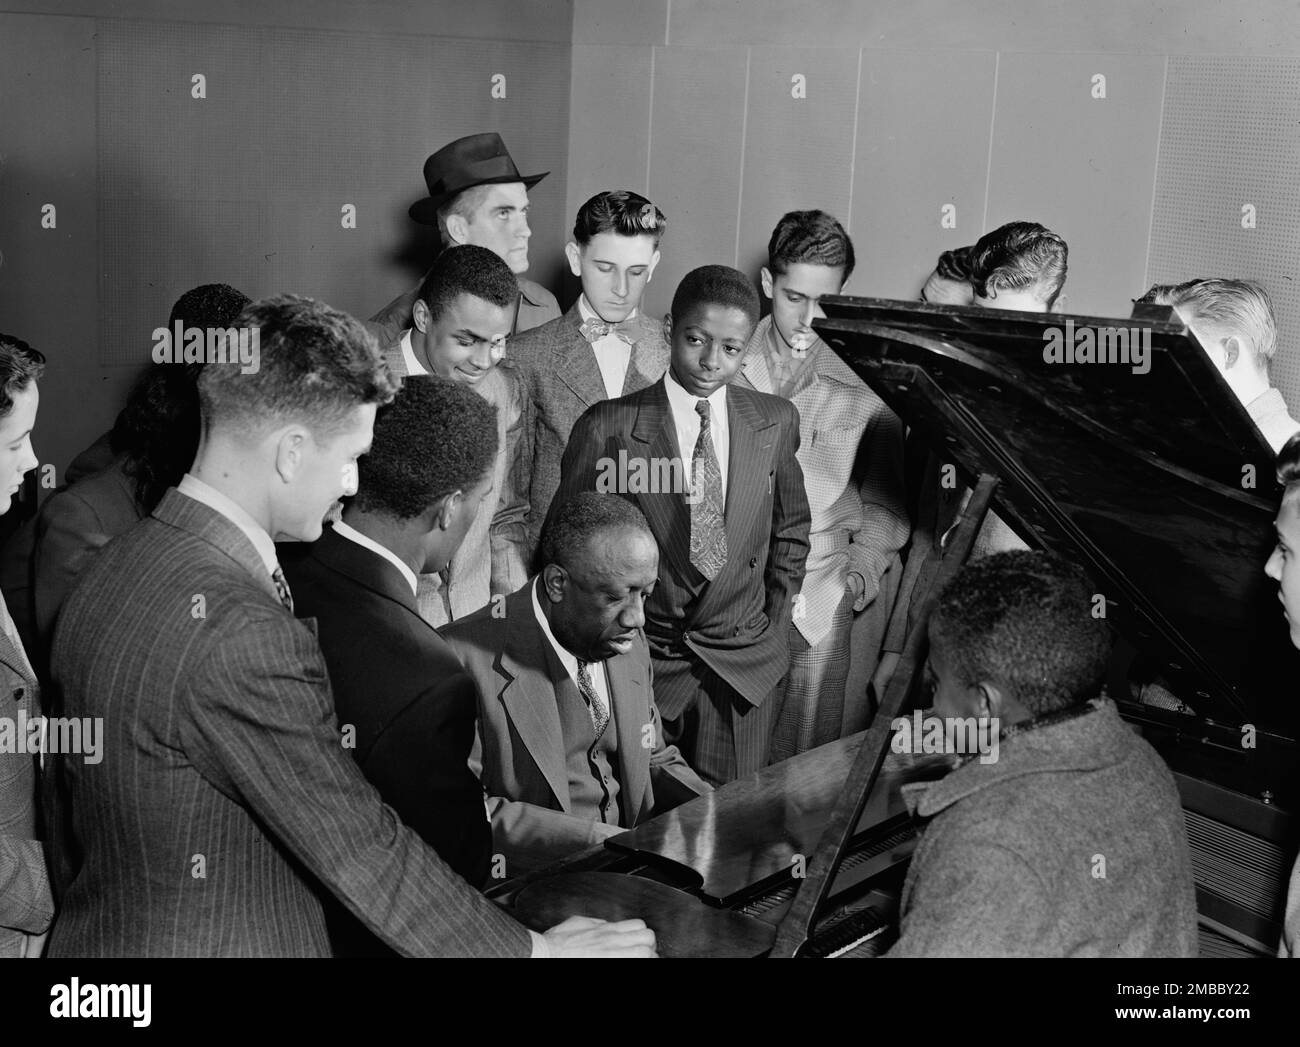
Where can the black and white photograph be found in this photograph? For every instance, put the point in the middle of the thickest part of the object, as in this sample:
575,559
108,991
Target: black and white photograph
680,479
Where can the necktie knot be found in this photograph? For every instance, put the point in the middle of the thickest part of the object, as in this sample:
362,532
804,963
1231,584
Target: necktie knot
702,409
282,588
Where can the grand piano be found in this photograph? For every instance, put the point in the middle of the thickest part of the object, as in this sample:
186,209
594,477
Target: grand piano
1143,468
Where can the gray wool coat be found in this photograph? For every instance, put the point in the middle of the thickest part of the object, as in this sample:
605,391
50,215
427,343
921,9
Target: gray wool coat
1070,844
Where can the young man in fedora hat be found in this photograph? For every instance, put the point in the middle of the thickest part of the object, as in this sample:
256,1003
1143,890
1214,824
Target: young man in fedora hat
476,196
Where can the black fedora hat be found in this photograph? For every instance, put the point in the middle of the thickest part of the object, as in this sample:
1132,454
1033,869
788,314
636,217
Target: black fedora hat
480,159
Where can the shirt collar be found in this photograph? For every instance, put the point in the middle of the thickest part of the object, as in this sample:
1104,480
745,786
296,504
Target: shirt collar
588,313
413,365
567,658
682,401
192,487
366,542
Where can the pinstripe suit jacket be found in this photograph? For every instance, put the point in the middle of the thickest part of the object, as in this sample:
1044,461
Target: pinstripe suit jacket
225,799
738,623
562,379
26,906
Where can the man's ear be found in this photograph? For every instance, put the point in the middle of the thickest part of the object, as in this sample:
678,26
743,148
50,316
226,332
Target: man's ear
446,509
765,278
290,448
457,229
668,328
420,316
1231,351
654,261
555,579
574,254
988,699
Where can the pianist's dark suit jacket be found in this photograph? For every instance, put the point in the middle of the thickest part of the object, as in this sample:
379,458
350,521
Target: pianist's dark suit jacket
220,741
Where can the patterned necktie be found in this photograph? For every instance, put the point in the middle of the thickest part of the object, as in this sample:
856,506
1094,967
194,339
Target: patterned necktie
595,329
282,588
599,714
708,535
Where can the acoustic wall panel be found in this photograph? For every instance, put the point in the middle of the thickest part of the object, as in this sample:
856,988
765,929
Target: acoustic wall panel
1226,201
922,147
1082,163
696,152
798,141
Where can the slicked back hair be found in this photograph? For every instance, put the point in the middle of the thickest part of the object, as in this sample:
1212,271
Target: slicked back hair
436,437
316,365
1230,307
1019,256
468,269
570,529
810,238
1025,621
619,211
20,366
1288,463
716,285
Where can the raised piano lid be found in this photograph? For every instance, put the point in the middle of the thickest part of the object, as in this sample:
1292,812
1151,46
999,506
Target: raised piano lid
1158,483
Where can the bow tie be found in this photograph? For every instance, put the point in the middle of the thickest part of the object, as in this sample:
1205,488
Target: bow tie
595,329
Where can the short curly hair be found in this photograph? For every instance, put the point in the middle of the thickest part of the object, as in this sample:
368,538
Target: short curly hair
316,365
574,523
1019,256
472,270
1025,620
436,437
619,211
20,366
716,285
157,431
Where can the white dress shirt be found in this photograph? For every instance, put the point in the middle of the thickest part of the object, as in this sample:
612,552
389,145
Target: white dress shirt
613,355
570,661
687,421
413,366
192,487
366,542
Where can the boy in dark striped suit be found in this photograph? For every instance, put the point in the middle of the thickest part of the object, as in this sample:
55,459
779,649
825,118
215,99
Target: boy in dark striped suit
732,534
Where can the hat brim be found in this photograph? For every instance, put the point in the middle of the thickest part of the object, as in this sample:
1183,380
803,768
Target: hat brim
426,211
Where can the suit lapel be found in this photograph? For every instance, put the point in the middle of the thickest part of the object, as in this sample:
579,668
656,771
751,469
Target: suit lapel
649,357
755,369
654,436
575,363
628,697
528,694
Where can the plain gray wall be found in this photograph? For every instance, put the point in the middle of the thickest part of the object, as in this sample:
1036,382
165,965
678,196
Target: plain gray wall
310,106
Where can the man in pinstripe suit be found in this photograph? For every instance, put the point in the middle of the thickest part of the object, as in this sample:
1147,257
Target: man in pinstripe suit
225,799
732,547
